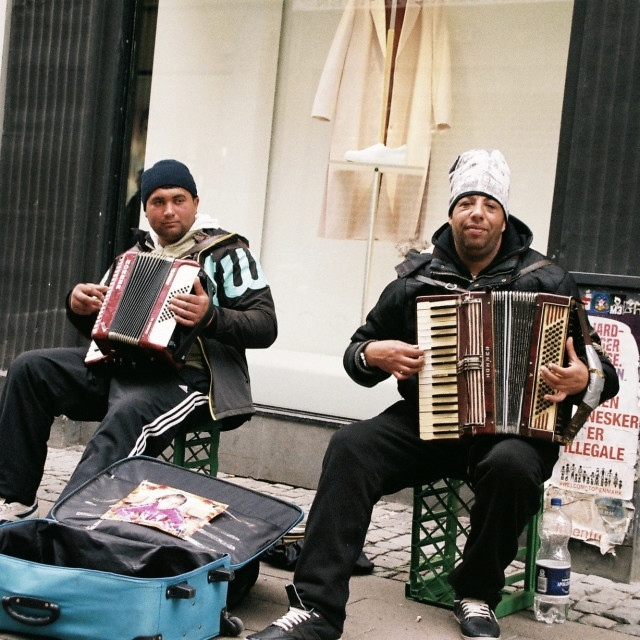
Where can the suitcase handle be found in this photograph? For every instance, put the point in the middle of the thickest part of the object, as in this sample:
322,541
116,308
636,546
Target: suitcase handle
220,575
13,605
182,591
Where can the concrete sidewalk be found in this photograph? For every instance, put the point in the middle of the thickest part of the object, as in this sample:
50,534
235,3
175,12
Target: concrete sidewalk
377,609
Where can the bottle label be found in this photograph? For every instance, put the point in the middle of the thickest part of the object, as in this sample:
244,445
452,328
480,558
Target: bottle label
552,580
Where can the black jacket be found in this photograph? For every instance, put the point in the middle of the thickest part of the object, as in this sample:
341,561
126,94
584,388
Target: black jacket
243,317
393,317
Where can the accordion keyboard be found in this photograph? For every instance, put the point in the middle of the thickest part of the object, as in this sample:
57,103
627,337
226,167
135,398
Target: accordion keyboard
437,381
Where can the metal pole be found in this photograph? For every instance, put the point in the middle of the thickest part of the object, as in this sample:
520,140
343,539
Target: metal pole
375,189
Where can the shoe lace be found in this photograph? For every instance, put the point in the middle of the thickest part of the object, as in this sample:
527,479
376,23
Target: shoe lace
292,618
476,609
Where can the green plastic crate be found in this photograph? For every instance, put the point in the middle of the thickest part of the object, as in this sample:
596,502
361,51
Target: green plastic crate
196,449
439,532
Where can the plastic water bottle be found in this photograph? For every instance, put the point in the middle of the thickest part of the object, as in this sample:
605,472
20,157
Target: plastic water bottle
553,565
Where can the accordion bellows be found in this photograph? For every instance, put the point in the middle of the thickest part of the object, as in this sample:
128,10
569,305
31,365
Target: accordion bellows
483,356
134,322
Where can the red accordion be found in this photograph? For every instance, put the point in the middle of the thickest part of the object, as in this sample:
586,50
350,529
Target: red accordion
134,323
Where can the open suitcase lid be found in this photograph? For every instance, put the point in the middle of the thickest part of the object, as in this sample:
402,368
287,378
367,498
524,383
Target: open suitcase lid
251,523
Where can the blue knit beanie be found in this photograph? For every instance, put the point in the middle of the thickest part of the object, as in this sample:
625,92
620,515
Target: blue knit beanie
166,173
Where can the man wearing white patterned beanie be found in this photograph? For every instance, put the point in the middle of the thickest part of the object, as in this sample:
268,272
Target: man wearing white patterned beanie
481,247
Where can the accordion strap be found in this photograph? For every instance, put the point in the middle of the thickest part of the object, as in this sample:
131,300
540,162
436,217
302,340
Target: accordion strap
532,267
592,395
452,287
200,245
439,283
205,243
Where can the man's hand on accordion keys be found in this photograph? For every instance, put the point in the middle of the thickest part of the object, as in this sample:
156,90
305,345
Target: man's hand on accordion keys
398,358
87,298
569,380
190,308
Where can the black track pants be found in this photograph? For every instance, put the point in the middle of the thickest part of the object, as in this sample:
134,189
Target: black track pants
136,417
376,457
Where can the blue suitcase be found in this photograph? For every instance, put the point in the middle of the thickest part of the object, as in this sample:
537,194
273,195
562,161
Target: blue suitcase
77,576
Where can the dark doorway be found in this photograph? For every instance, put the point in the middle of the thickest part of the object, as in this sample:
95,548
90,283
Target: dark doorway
72,75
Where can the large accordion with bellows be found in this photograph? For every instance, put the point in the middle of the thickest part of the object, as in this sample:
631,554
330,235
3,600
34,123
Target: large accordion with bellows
134,324
483,355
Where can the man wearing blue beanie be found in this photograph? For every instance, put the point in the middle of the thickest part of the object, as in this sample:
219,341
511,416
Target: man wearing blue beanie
140,404
166,173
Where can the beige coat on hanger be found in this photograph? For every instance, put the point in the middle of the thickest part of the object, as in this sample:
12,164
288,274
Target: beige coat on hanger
350,95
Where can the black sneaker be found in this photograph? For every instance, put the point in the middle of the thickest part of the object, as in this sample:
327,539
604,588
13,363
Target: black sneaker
299,623
477,620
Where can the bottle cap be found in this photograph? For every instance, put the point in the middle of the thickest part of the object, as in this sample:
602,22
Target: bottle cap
556,502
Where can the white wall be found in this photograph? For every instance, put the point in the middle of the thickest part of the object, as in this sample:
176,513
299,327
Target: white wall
212,94
508,63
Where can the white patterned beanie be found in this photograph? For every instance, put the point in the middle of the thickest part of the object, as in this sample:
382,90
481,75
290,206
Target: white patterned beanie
480,171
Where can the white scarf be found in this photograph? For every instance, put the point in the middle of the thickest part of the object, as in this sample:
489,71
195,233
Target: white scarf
202,221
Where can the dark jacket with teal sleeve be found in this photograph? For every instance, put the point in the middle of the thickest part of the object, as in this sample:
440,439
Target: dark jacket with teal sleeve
243,318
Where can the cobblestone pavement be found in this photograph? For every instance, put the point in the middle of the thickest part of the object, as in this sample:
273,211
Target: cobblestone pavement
597,602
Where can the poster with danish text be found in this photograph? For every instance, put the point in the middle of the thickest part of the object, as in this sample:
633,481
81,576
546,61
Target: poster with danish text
595,474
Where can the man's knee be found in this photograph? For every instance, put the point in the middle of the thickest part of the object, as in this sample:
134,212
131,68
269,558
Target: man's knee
41,361
26,363
348,445
512,463
343,439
